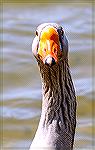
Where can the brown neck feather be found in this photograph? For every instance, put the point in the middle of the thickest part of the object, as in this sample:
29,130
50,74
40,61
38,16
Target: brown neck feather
59,101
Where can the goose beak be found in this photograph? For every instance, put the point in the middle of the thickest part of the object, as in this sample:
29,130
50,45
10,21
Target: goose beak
49,46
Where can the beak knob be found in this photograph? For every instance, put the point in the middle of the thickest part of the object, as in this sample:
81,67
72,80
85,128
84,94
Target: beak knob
50,61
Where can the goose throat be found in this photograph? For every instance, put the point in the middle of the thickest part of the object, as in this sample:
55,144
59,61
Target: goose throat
58,92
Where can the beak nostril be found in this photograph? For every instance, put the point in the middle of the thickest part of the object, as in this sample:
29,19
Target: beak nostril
44,49
55,51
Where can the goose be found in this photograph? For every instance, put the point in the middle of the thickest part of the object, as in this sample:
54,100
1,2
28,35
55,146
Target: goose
57,123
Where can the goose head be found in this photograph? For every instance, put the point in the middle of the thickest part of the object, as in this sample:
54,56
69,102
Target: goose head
50,44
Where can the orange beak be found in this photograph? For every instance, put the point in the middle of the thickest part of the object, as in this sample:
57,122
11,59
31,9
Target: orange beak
49,46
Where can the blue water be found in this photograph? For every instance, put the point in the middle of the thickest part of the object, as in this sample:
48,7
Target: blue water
21,95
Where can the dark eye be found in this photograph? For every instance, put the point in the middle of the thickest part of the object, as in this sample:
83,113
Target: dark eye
37,33
61,31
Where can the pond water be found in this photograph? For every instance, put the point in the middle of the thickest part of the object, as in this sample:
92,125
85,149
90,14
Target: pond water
21,103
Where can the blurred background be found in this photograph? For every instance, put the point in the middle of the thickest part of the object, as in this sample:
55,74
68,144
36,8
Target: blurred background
21,86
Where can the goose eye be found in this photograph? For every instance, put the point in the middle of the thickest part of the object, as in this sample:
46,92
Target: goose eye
37,33
62,32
